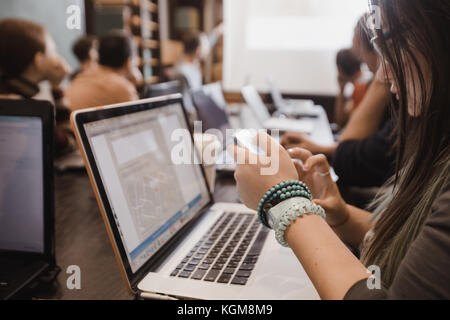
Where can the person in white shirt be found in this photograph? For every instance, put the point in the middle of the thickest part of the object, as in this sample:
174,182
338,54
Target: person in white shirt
189,66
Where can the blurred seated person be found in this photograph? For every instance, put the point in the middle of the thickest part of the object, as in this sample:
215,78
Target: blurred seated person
362,157
370,115
111,81
29,57
350,76
85,50
188,68
365,121
196,48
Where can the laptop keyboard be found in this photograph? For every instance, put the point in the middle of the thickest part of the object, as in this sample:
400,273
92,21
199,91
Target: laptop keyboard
227,253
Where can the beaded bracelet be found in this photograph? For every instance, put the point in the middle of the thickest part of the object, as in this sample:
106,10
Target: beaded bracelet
283,191
289,212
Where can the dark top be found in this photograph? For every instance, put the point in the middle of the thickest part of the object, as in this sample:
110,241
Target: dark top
424,272
366,163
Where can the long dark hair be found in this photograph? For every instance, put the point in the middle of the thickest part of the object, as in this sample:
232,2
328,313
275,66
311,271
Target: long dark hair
413,28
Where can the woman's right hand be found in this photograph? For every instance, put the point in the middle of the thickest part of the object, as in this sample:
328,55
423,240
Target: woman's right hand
314,171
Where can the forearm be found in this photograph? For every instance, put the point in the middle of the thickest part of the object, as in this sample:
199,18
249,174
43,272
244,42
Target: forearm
341,117
326,150
366,120
332,268
356,225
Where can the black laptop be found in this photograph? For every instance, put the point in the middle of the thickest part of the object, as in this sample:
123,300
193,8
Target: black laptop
26,193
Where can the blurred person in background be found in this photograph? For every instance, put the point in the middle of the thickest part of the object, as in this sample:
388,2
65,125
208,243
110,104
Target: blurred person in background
85,50
350,76
363,156
188,69
196,48
111,81
29,57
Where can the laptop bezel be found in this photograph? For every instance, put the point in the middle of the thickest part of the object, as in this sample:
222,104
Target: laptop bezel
79,119
45,111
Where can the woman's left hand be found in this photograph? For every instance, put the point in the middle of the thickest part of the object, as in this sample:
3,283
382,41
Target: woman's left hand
252,177
292,140
316,173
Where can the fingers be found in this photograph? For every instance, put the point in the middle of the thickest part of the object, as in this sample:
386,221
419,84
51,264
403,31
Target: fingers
319,202
241,155
293,145
323,203
299,167
266,143
318,162
300,154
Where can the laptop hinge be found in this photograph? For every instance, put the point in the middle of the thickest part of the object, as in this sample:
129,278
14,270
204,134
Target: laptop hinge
154,296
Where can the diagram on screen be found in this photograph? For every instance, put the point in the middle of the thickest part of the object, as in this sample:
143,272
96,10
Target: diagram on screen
148,180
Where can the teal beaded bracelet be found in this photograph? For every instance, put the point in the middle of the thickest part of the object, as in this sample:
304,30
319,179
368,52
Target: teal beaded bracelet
283,191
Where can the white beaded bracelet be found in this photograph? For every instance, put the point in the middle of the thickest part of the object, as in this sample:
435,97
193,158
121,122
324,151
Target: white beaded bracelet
282,215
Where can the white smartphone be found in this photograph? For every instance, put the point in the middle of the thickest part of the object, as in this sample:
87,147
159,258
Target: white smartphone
247,139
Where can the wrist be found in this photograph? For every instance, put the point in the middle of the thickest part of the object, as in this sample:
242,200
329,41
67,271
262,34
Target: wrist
339,219
279,193
282,216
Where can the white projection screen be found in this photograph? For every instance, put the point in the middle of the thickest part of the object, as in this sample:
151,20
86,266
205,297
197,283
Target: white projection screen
294,42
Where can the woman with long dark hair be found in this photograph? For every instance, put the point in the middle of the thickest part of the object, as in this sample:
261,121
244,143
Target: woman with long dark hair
407,237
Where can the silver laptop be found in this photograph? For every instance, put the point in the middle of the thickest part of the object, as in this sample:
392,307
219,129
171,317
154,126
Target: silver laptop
215,120
295,108
253,99
169,238
214,90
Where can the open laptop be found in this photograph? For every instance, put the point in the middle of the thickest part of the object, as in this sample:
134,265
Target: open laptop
292,108
169,238
26,193
161,89
253,99
209,113
214,90
214,120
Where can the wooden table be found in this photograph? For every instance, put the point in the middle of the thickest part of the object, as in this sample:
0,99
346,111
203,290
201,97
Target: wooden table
82,240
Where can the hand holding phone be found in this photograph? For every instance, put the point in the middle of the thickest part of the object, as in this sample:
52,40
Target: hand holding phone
248,139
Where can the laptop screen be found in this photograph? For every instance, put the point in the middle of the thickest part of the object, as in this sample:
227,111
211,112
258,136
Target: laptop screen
211,115
253,99
276,94
21,187
214,90
151,197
